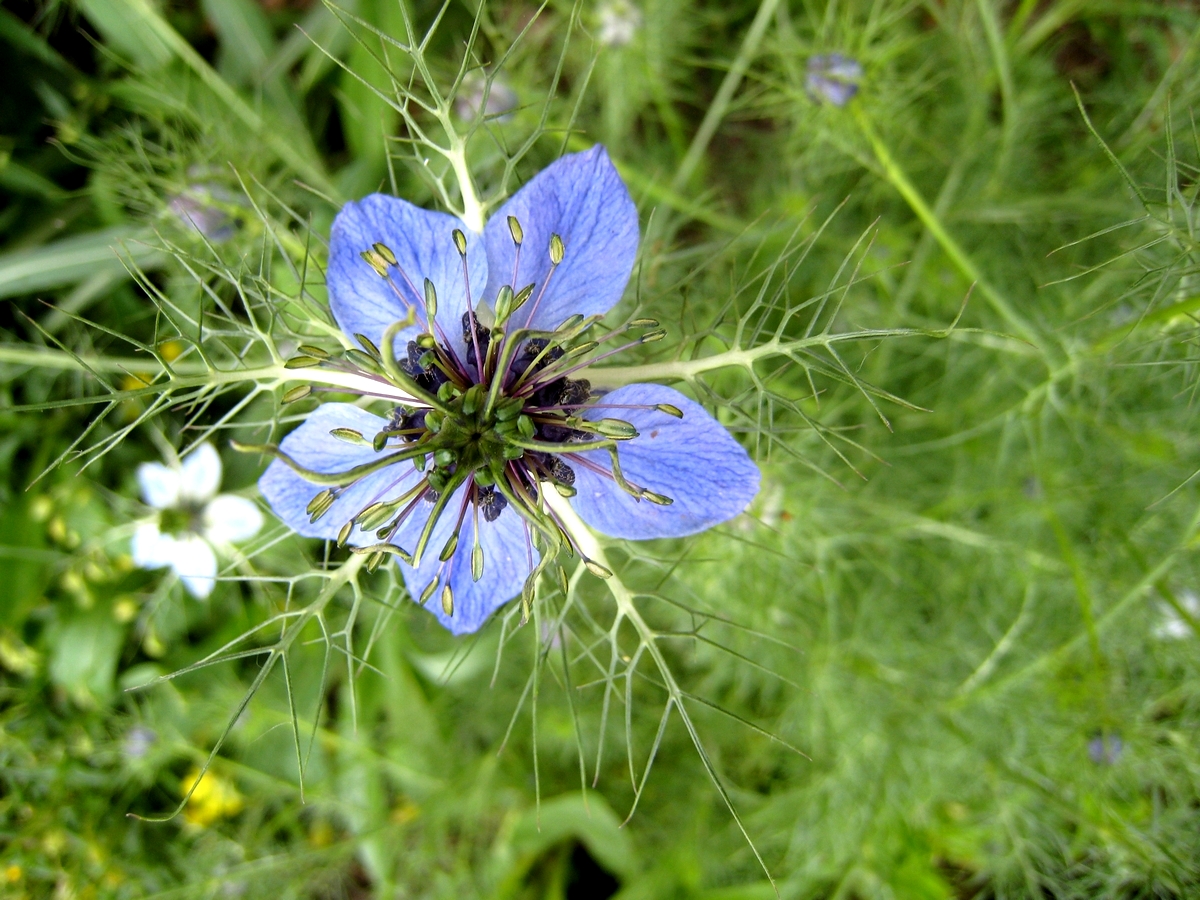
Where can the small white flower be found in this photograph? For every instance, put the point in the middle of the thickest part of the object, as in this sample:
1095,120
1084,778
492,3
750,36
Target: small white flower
191,520
619,23
1173,627
499,105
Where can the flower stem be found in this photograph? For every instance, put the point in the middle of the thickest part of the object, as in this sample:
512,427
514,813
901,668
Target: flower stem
472,214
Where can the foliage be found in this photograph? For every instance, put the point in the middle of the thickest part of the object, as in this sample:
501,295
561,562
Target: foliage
950,652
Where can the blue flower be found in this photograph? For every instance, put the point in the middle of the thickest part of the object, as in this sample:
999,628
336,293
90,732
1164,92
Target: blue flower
488,413
833,78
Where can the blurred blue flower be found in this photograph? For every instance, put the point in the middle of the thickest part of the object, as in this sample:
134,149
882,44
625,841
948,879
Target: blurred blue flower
192,518
486,421
1105,749
138,741
204,208
833,78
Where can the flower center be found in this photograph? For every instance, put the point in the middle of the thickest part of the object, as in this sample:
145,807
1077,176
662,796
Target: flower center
181,520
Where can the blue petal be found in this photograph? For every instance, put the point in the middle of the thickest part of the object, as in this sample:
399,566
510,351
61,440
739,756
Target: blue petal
692,460
423,244
507,557
582,199
312,446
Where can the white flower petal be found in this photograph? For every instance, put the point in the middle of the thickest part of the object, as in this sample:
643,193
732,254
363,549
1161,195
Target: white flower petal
196,565
228,519
200,475
150,548
159,484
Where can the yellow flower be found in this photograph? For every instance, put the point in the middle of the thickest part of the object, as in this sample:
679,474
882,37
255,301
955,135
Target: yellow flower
214,798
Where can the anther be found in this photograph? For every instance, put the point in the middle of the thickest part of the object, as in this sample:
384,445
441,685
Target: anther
522,297
344,533
514,228
301,362
364,360
658,499
504,304
380,441
428,592
644,323
430,298
376,262
670,410
651,336
368,345
383,250
447,601
449,548
476,562
313,351
319,505
557,250
460,241
596,569
297,393
349,435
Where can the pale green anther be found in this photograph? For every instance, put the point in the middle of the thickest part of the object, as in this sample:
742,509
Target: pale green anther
670,410
380,441
617,429
562,579
419,463
313,351
460,241
361,359
522,296
580,350
509,409
525,426
376,262
447,601
297,393
570,322
430,298
514,228
426,341
344,533
557,250
444,457
386,252
319,505
375,560
659,499
504,301
428,592
651,336
368,345
449,548
301,362
564,490
377,514
644,323
596,569
476,562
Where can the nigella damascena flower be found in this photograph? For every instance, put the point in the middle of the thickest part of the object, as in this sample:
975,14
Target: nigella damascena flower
488,427
833,78
204,207
192,519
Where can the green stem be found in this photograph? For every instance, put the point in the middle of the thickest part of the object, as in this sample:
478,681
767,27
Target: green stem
961,259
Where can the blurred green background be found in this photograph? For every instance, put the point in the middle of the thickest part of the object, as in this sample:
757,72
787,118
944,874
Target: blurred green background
951,651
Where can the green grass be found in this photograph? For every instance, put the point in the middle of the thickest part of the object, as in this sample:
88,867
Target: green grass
954,321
